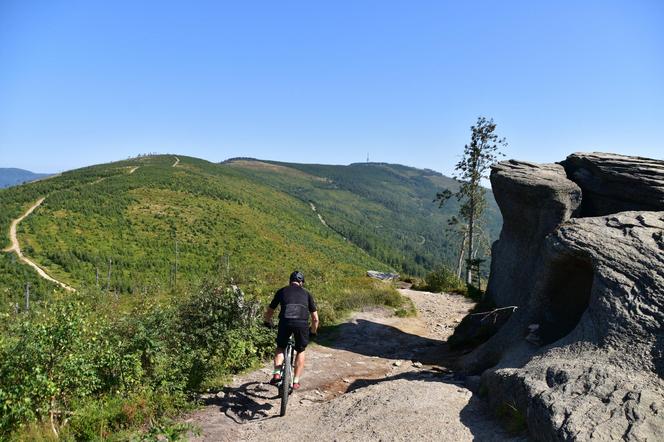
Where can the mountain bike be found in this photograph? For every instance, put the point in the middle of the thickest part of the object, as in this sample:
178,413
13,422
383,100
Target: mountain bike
287,370
285,385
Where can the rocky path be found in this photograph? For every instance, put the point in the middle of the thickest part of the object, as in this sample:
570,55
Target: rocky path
376,377
16,247
177,161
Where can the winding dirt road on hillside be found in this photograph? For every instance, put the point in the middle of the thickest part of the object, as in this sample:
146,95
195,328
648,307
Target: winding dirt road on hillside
16,247
177,161
376,377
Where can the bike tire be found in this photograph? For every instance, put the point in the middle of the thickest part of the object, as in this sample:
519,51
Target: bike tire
286,381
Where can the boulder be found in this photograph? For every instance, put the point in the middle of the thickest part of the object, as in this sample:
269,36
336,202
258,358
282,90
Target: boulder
599,374
533,199
616,183
583,355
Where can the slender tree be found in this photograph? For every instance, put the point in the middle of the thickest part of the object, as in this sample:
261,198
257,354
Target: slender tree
478,156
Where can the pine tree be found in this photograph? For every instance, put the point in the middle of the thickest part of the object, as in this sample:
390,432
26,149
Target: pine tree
478,156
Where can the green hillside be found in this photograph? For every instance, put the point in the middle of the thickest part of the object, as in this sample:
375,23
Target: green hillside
248,219
386,209
224,223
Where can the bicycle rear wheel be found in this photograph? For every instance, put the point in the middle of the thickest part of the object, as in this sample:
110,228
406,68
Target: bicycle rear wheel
286,380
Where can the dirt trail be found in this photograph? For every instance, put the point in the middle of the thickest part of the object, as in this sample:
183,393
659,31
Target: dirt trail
376,377
16,247
177,161
133,169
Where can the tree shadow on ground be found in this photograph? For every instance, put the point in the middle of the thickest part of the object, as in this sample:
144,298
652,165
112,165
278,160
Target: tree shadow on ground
370,338
245,403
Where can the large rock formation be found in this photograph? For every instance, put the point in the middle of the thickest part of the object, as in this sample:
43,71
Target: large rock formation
587,273
616,183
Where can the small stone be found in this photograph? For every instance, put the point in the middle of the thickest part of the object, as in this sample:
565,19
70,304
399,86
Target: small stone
417,364
397,363
347,381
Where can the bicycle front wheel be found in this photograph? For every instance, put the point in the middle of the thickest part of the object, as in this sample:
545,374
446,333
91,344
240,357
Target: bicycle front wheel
286,381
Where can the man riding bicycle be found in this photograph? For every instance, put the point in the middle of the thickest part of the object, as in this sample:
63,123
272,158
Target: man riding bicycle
297,305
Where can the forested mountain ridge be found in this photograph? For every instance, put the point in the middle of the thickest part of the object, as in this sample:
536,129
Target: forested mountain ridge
122,226
116,226
11,176
387,209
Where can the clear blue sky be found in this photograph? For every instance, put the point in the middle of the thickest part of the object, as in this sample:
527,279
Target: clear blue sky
84,82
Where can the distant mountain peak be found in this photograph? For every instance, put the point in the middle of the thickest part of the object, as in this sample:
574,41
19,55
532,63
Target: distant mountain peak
12,176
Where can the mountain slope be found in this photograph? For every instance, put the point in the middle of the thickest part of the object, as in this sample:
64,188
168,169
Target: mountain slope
12,176
249,219
387,209
130,214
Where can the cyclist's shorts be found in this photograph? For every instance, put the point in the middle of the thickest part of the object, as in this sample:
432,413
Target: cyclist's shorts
301,334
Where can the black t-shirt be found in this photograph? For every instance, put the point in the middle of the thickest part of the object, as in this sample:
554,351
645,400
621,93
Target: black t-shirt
296,304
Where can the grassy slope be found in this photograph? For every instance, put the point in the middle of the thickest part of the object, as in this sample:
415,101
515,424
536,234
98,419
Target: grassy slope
386,209
132,219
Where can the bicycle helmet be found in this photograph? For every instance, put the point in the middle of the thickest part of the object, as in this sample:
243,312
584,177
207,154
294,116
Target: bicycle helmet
296,276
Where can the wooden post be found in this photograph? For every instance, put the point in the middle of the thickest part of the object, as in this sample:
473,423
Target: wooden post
27,296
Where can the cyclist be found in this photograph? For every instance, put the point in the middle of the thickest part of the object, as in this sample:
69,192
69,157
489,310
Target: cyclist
297,305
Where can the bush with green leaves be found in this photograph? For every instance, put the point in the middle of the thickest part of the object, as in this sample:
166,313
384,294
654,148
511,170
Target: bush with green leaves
442,279
220,330
82,367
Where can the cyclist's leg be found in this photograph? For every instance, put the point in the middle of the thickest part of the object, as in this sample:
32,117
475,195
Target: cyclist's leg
282,340
301,341
299,363
278,357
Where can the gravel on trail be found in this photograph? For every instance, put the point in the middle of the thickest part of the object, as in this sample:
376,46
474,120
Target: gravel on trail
375,377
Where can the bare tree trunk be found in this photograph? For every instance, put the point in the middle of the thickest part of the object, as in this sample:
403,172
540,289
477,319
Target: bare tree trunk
462,251
471,225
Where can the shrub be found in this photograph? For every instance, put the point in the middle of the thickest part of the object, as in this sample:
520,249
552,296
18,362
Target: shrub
86,372
220,330
442,279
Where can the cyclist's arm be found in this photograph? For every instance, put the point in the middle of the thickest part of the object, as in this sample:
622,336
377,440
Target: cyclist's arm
269,313
314,322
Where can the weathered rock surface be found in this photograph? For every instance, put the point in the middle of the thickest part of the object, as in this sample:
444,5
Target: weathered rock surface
534,199
616,183
593,367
